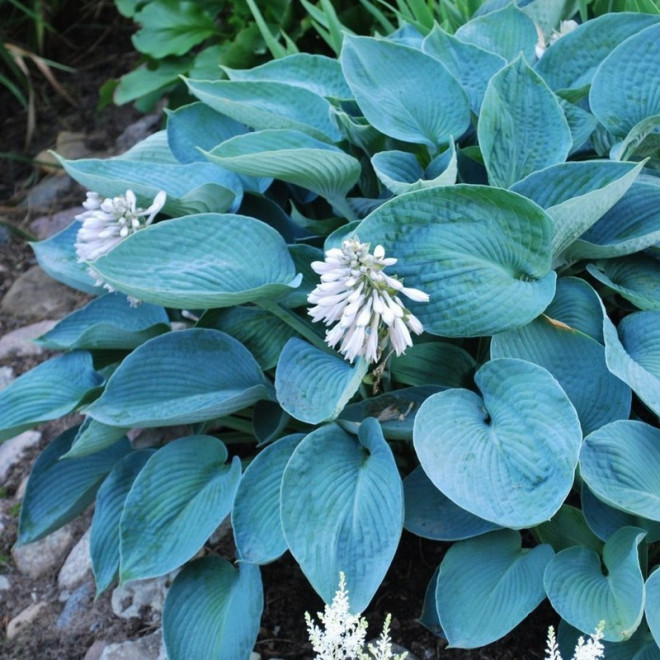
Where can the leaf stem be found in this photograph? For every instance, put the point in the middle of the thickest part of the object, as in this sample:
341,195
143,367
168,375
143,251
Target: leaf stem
342,207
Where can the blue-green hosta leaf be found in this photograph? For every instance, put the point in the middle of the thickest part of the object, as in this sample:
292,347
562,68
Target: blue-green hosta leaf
625,88
577,362
57,257
604,520
51,390
179,378
642,139
264,105
154,149
487,585
581,123
572,61
190,187
636,278
631,225
434,363
429,617
432,515
481,253
178,499
344,512
290,156
522,127
577,194
403,92
547,14
583,596
107,322
92,436
60,489
400,171
472,66
104,533
258,330
212,610
318,73
255,516
394,410
652,600
620,463
633,354
577,305
312,385
478,451
220,260
567,528
506,32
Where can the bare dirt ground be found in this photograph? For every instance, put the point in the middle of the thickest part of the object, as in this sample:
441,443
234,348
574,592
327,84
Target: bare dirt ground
98,55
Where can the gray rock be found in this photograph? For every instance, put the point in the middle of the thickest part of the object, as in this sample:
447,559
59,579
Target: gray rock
5,584
144,648
47,225
95,651
18,343
36,559
76,605
6,376
23,620
5,234
13,450
77,566
133,599
34,295
46,192
137,132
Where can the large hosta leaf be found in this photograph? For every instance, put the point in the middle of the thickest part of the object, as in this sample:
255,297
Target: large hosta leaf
584,597
108,322
219,261
403,92
181,377
633,354
482,254
178,499
522,127
212,610
255,515
625,88
59,488
53,389
576,361
313,385
620,463
486,586
343,513
652,600
478,450
578,306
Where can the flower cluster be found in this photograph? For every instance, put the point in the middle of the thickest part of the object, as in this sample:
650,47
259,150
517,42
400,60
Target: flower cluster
344,633
106,222
363,301
564,28
592,649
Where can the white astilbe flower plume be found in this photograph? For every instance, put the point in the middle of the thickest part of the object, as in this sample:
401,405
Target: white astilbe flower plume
343,634
592,649
363,301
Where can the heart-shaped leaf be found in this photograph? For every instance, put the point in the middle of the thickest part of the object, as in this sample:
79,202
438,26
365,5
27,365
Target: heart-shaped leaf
578,306
181,495
487,585
652,600
476,449
343,513
179,378
584,597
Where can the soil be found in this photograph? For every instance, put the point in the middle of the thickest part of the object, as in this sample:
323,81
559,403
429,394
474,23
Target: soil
98,54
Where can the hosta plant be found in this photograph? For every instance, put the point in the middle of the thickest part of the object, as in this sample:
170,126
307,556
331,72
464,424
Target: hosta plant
314,216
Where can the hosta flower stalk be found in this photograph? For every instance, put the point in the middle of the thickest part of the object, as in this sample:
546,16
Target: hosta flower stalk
592,649
363,302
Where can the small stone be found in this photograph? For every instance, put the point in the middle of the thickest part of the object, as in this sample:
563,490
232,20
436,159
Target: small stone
23,620
13,450
131,599
6,376
5,234
77,566
95,651
255,656
5,584
137,132
76,605
20,491
144,648
46,192
34,295
36,559
46,226
18,343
